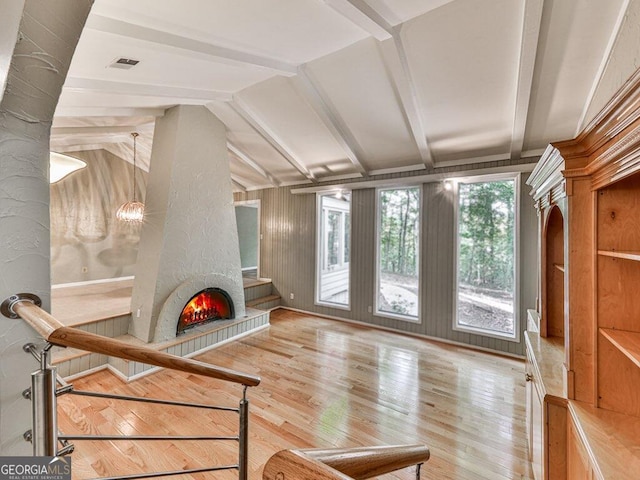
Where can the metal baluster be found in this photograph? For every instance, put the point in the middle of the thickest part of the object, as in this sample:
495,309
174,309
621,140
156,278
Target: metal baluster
43,407
46,386
243,461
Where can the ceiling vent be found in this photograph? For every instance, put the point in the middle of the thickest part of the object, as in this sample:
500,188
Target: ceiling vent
124,63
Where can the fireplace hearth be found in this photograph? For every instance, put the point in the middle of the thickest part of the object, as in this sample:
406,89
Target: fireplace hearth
206,306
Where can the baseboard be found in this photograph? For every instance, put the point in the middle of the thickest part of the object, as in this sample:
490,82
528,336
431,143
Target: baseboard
84,373
91,282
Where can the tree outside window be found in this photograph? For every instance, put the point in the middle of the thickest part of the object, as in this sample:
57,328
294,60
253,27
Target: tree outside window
486,257
398,239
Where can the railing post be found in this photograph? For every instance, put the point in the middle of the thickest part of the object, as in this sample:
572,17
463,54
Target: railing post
243,437
43,407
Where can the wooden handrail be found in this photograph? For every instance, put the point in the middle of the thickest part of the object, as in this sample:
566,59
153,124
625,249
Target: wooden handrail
58,334
343,463
293,464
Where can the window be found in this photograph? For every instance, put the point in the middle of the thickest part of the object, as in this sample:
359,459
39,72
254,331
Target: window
398,247
486,257
334,237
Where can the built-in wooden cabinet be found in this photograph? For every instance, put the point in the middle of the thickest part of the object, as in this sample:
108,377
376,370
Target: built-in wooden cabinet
618,296
578,464
583,342
535,418
546,405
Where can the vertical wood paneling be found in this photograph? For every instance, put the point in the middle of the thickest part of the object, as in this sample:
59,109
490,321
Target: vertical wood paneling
363,220
288,257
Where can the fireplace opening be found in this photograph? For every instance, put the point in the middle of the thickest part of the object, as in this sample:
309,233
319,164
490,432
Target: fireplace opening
205,306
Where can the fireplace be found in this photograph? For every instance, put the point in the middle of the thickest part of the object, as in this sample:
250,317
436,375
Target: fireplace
205,306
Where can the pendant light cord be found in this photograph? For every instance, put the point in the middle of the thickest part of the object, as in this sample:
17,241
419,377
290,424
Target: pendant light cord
135,136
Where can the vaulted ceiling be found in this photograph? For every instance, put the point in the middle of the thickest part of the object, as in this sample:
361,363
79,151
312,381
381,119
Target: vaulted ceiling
313,90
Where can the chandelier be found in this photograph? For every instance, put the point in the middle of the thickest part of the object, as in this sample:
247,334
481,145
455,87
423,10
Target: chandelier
133,211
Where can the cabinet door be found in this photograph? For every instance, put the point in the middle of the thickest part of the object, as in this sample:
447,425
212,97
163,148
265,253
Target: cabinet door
556,446
535,419
578,467
528,399
537,437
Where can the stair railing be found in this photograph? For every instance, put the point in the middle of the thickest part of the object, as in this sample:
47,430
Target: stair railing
44,435
316,464
344,463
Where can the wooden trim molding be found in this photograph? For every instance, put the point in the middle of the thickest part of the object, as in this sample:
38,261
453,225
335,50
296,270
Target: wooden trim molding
547,173
608,149
621,112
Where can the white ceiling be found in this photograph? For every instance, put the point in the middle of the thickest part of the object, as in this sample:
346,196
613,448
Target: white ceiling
313,90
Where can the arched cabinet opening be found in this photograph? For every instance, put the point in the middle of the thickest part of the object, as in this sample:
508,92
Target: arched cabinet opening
553,305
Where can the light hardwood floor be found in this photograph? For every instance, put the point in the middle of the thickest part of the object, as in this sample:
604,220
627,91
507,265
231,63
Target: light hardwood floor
324,383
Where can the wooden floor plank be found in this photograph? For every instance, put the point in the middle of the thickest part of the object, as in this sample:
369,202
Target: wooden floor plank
324,384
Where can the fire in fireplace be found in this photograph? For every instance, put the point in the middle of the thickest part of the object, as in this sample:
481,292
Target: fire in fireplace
207,305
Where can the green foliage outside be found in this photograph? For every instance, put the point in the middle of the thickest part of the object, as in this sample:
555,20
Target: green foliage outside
486,229
399,236
399,231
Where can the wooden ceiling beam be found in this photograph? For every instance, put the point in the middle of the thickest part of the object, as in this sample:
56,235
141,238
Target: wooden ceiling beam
101,130
244,158
187,46
105,111
239,182
310,89
91,85
58,141
376,26
262,129
528,49
362,14
405,90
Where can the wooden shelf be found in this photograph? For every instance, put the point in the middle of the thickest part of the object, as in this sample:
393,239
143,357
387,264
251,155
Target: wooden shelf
559,266
627,342
611,440
620,254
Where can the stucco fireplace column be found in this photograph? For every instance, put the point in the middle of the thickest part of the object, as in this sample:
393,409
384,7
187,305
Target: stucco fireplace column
189,238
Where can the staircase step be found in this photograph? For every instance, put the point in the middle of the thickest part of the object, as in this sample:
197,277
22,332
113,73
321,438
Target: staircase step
108,327
262,301
255,282
72,363
257,289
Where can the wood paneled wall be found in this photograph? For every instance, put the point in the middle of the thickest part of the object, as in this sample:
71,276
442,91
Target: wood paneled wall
288,250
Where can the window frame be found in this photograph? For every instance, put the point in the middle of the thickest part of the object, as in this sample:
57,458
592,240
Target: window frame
376,310
516,178
321,253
